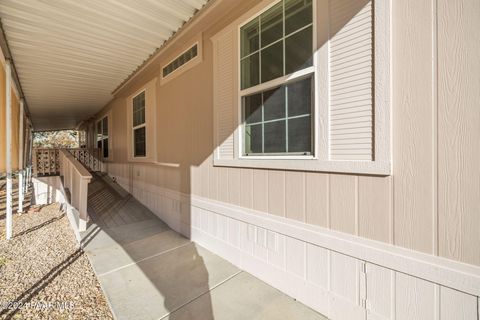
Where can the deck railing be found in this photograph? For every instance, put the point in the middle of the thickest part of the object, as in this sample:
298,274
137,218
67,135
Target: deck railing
46,161
90,158
76,179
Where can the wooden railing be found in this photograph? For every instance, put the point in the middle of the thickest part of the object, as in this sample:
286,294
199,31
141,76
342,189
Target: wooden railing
90,158
76,179
45,162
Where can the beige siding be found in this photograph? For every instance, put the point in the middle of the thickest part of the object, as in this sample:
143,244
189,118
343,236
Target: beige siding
374,208
246,188
295,201
316,199
276,192
459,130
401,208
260,190
343,193
413,112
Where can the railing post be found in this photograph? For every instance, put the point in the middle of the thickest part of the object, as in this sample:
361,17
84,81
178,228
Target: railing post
31,158
82,203
20,191
76,178
21,145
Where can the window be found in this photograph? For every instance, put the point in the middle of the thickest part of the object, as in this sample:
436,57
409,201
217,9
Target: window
180,61
102,136
141,123
304,85
138,125
276,66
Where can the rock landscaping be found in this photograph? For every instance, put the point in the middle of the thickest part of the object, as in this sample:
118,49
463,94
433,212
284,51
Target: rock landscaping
43,273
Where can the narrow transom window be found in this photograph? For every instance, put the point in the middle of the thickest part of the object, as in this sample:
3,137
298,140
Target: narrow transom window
180,60
138,126
276,67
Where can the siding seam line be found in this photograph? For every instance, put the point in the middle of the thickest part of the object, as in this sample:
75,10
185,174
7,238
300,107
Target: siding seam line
435,126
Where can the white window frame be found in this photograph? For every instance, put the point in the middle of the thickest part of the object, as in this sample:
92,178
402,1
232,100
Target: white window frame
320,160
150,89
298,75
108,116
143,125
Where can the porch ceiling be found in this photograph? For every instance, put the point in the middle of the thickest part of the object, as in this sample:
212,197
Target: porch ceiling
70,55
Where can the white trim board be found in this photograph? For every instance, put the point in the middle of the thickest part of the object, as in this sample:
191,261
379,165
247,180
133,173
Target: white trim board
448,273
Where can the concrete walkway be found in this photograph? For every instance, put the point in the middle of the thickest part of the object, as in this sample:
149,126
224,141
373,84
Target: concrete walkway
149,271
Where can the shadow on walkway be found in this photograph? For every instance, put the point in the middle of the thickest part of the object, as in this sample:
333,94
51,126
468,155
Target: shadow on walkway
146,269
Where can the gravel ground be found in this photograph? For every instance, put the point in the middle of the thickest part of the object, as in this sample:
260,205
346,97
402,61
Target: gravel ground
44,274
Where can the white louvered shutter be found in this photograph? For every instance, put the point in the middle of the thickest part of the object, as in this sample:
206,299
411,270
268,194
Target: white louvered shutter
224,94
351,80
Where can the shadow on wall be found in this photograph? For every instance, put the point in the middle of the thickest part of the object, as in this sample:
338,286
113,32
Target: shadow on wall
185,135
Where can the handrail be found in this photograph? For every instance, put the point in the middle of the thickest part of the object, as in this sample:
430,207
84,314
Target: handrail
79,168
90,158
76,179
46,160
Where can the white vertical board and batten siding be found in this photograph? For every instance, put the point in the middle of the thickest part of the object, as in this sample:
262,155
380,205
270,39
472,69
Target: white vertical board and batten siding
350,136
337,285
351,80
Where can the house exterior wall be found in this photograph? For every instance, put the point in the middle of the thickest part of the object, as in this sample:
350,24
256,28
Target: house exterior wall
430,202
411,207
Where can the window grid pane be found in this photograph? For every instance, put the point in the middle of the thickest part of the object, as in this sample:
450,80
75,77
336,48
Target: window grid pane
139,109
284,124
270,45
139,142
298,14
99,131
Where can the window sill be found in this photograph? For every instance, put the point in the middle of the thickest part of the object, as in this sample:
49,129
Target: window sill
381,168
275,158
141,160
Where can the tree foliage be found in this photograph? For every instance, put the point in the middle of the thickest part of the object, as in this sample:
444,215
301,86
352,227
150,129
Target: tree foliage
55,139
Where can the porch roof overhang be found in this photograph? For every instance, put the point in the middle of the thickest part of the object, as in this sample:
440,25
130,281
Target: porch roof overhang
71,55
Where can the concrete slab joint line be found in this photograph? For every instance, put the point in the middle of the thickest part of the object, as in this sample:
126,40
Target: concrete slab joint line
144,259
149,271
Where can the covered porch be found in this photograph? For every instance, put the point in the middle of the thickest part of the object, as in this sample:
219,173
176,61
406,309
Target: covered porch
298,159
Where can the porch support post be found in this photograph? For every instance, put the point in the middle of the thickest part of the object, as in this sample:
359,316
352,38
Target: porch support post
8,93
21,146
30,157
